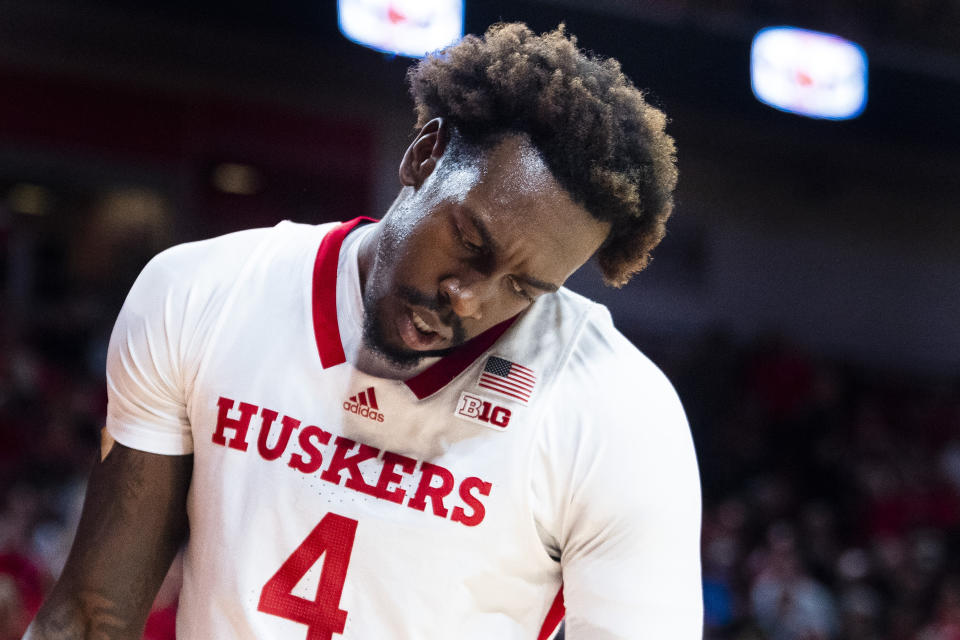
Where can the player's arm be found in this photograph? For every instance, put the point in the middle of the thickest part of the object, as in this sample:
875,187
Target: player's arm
632,570
626,487
134,517
631,556
133,522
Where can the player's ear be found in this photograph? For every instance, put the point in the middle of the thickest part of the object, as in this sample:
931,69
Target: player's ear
422,155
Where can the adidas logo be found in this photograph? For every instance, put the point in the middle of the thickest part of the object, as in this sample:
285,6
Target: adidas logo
364,404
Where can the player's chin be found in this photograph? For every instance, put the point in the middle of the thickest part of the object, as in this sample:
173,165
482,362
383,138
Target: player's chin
380,339
407,358
415,343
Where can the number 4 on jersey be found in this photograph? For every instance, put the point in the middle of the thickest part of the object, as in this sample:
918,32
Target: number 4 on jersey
323,616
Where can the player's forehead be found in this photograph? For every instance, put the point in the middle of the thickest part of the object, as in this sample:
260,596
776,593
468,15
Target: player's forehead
514,167
528,212
512,177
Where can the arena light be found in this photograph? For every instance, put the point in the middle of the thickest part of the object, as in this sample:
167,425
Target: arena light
411,28
814,74
236,178
30,199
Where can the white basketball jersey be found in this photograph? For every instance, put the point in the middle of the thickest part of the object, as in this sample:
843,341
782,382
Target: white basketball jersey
544,463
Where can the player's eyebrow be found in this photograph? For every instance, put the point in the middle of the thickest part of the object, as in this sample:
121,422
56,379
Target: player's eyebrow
538,284
494,248
485,236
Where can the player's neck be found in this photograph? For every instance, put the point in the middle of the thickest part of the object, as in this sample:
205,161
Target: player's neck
367,254
373,363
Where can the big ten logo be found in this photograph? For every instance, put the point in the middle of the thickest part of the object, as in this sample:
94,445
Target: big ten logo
482,411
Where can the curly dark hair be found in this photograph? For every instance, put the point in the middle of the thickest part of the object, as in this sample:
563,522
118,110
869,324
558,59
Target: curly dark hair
598,135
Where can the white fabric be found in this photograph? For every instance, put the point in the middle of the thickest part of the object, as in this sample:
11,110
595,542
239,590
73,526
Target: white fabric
169,317
593,482
349,295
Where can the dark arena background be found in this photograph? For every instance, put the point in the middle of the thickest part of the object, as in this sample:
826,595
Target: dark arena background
805,302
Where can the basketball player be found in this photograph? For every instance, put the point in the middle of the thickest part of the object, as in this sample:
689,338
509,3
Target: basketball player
409,428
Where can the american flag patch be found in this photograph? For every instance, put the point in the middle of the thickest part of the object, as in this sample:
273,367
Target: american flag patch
508,378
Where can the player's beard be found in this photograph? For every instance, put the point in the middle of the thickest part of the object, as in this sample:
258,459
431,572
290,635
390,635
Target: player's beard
374,334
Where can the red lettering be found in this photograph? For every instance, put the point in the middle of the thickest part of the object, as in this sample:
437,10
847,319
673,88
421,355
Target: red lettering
289,424
500,416
314,459
485,411
389,475
331,539
342,461
239,425
310,459
436,494
483,488
469,406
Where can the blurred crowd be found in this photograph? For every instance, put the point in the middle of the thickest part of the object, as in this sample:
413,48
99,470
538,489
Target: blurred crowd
52,404
831,493
831,496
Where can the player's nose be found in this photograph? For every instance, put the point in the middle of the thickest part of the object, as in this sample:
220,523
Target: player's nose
466,298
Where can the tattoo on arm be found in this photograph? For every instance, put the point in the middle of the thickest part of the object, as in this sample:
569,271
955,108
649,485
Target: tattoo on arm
105,623
91,616
133,523
62,622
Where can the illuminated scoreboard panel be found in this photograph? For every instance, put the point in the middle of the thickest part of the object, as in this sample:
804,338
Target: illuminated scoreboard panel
814,74
410,28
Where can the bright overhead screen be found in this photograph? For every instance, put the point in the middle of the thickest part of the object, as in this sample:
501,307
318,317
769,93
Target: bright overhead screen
809,73
410,28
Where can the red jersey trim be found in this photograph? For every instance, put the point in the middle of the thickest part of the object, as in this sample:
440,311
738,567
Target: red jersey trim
554,617
441,372
325,325
326,328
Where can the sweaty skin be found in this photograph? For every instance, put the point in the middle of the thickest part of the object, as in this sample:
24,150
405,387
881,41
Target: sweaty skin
472,240
106,443
134,521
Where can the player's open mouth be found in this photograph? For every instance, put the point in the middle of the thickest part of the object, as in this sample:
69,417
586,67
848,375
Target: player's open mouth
421,326
416,331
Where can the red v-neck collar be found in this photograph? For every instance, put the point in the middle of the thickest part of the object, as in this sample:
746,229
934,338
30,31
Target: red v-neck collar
436,376
326,328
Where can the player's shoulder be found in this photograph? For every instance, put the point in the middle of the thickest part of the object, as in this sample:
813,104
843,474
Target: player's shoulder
200,275
599,354
603,374
608,406
608,355
225,254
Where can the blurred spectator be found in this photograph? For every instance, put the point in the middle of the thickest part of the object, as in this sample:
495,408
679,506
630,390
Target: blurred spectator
834,511
946,625
787,603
